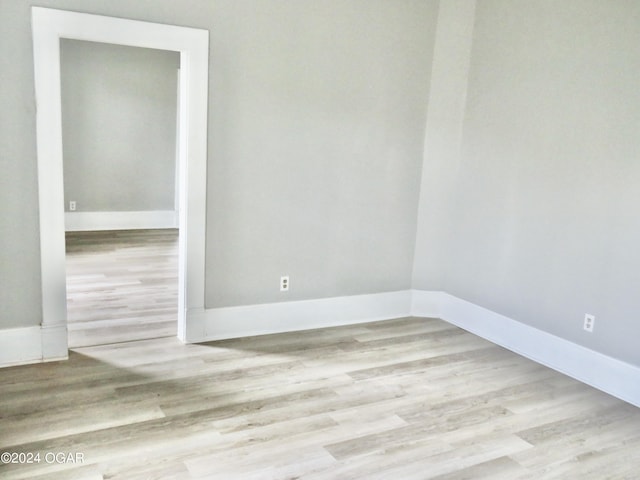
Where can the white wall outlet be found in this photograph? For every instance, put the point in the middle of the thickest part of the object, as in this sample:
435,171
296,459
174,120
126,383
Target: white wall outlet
284,283
72,206
589,321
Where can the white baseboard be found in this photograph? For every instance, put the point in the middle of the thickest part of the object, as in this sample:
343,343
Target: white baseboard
618,378
93,221
19,346
233,322
605,373
426,304
55,343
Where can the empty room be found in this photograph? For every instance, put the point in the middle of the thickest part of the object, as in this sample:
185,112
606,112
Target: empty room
369,239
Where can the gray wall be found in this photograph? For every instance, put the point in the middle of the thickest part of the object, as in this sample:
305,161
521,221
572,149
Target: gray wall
316,124
119,126
318,115
542,218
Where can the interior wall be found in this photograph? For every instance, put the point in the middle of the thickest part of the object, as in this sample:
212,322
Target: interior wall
20,295
119,126
542,225
316,124
318,120
443,134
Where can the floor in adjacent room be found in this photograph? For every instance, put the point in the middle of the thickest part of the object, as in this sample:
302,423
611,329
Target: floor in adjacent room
401,399
121,285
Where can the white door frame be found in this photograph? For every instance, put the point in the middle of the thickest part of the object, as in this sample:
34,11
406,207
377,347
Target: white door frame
49,26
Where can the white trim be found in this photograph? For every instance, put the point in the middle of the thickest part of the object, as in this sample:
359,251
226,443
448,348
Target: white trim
426,304
176,175
19,346
605,373
49,26
618,378
244,321
54,342
91,221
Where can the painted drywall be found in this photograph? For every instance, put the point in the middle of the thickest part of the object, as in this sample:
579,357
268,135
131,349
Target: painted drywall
443,133
119,126
318,113
542,219
316,124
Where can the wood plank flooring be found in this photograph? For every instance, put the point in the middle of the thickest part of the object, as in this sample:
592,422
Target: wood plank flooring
402,399
121,285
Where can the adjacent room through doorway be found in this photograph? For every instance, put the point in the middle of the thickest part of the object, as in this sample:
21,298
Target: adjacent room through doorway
119,117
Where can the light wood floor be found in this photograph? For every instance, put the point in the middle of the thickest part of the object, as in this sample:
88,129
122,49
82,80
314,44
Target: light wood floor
121,286
402,399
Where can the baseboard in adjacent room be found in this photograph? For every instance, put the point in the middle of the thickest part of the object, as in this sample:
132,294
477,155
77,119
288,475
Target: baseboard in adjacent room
94,221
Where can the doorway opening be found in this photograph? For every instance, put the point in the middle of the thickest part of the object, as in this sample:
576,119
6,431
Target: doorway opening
49,27
119,130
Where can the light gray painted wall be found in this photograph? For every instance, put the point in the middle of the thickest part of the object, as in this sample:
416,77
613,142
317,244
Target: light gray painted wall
318,132
443,133
20,295
316,124
119,126
544,223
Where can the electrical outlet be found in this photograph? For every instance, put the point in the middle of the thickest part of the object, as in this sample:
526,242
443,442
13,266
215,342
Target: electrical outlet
284,283
589,321
72,206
